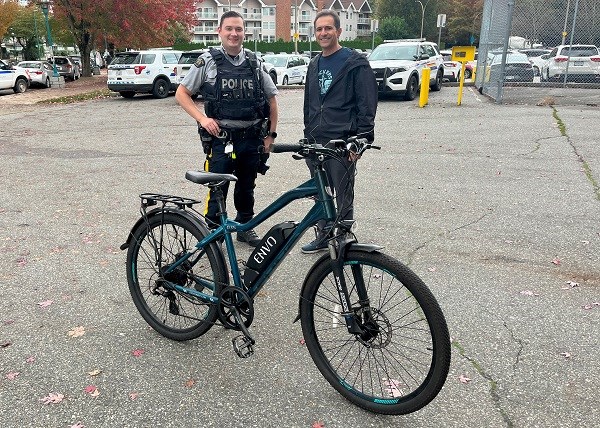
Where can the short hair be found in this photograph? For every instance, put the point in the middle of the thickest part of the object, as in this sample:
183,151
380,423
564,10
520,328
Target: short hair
231,14
328,12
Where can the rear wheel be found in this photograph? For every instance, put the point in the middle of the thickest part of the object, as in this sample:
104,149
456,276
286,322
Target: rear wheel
20,85
438,81
161,88
127,94
47,83
468,73
155,246
412,86
400,359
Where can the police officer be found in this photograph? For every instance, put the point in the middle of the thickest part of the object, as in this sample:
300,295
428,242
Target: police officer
240,114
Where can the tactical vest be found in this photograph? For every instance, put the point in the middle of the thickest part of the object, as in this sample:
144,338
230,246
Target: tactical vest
237,93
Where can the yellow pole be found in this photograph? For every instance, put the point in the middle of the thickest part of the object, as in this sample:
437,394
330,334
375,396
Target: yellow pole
462,80
424,86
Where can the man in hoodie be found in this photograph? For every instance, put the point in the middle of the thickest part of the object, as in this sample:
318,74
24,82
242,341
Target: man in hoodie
340,101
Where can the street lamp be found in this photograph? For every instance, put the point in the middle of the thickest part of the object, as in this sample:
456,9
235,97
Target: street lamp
45,5
422,14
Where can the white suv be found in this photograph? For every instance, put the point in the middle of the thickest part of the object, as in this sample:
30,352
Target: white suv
151,71
399,64
17,78
583,61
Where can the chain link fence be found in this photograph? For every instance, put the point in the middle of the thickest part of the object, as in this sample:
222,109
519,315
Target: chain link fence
538,43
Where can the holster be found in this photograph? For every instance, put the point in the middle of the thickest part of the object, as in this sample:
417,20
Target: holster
206,140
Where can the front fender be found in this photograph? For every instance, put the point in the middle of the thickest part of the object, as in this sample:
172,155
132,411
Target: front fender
353,246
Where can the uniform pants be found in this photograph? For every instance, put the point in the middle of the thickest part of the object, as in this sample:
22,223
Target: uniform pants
242,163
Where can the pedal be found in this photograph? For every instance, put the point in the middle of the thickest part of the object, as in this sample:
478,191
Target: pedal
243,346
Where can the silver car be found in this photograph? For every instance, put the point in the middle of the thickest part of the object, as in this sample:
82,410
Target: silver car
39,71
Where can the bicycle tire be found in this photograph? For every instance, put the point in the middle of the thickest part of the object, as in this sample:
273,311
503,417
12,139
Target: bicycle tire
173,314
405,366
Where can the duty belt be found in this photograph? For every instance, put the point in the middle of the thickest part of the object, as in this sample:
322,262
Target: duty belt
235,134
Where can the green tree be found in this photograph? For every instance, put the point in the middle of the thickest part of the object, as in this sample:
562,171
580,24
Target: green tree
412,12
393,28
463,20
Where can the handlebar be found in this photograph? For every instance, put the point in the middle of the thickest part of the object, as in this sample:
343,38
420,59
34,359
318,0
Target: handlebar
341,148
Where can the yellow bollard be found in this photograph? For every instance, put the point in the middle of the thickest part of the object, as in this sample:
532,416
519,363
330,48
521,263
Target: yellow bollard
462,81
424,97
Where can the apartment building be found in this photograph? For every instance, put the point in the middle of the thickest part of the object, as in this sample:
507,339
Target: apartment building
271,20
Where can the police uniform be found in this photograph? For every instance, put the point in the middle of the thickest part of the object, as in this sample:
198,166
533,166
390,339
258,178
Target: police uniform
237,97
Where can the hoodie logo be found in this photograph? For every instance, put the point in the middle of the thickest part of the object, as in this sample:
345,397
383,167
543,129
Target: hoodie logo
325,78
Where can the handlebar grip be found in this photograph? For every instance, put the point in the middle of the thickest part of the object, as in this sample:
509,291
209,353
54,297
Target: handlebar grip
286,147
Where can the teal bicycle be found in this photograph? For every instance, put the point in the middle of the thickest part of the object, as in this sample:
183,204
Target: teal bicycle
372,327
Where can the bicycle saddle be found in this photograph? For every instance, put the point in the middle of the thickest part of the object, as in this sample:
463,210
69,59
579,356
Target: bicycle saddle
203,177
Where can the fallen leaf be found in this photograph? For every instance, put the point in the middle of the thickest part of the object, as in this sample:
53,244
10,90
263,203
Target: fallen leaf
464,378
52,398
528,293
567,355
570,284
377,275
318,424
95,372
5,344
392,387
77,332
78,425
189,383
556,261
137,352
8,322
302,341
30,360
45,303
431,269
133,395
92,390
12,375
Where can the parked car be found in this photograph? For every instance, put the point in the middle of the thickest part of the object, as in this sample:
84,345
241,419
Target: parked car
67,68
39,72
290,68
76,59
186,60
451,68
15,78
518,68
537,57
583,63
151,71
398,66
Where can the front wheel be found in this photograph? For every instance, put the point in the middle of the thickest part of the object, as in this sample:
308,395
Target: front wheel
285,81
20,86
400,360
156,245
412,87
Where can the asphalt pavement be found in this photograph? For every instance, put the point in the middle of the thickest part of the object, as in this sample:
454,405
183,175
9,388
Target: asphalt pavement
496,207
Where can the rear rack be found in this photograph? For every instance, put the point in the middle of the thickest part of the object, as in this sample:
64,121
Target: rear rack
151,199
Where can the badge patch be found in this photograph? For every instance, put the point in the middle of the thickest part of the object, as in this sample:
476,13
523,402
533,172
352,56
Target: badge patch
199,62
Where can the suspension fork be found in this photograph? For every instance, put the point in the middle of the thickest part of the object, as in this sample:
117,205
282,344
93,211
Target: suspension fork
337,253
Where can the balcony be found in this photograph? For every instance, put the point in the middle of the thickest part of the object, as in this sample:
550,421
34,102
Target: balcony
363,33
207,15
364,21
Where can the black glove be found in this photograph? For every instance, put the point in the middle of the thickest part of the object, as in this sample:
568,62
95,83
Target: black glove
262,166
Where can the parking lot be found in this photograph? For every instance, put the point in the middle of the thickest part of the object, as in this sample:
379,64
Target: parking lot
496,207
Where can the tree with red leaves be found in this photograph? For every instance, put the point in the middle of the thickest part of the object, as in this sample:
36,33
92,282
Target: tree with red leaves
123,23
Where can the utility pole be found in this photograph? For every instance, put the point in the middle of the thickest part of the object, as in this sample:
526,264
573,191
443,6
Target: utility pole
296,35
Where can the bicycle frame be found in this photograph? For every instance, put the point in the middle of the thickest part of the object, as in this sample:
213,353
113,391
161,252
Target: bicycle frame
324,208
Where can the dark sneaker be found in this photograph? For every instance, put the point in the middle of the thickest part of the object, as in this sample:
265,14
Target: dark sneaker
315,246
249,236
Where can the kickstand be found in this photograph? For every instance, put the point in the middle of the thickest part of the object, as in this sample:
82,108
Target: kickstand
243,345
